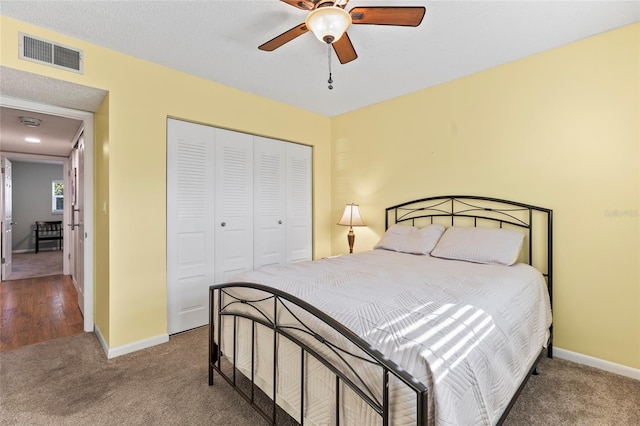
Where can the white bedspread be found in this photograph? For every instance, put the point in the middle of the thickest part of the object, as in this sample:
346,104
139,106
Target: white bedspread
469,332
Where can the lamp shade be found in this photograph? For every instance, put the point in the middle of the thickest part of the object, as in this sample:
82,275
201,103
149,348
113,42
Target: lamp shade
328,23
351,216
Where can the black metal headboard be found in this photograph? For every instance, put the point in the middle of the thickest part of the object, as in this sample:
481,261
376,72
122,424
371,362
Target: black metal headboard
465,210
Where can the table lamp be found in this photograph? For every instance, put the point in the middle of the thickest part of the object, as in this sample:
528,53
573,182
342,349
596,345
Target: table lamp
351,217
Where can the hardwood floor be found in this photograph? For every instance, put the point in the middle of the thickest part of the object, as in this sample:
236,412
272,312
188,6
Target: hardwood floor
34,310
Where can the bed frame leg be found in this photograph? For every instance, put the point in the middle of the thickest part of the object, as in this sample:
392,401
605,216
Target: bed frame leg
214,354
213,359
535,371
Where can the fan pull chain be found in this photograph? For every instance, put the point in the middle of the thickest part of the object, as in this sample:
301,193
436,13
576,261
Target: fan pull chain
330,81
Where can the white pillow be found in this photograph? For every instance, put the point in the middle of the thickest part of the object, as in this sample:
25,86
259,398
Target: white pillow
409,239
480,245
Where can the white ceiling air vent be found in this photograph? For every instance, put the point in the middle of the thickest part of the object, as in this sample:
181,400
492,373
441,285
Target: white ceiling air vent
49,53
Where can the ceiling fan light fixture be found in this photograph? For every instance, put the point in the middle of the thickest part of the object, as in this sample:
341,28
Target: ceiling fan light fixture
328,23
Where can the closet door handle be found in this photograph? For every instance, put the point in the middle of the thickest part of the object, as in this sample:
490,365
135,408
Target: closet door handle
279,222
223,224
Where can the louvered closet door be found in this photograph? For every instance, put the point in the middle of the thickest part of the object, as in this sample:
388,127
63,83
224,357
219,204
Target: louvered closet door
190,226
269,219
299,202
233,204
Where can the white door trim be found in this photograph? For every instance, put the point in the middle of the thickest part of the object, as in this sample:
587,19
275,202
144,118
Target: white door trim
87,118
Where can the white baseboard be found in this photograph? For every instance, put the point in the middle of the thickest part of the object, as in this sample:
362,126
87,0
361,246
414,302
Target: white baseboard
598,363
100,337
129,347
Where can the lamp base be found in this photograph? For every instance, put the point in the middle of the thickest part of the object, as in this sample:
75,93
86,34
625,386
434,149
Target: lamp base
351,238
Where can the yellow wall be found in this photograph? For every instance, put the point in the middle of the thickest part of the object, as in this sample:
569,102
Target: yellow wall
130,157
561,130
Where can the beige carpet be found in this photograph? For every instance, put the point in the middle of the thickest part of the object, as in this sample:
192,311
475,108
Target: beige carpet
31,265
70,382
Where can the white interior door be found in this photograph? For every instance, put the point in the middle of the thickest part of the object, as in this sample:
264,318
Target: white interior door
7,221
299,203
77,221
233,204
1,220
70,228
269,198
190,224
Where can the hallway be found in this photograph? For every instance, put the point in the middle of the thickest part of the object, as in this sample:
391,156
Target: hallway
34,310
31,265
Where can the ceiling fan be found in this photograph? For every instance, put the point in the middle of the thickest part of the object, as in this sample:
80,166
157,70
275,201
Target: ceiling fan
329,21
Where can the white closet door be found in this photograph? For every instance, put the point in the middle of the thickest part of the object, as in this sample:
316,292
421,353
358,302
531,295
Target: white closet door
298,189
190,227
269,198
233,204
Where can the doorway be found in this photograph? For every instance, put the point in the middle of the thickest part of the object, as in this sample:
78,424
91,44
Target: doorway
78,223
37,188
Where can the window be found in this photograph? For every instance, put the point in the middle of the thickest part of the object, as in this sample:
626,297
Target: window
57,197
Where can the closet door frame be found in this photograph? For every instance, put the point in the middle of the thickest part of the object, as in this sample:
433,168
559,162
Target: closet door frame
210,245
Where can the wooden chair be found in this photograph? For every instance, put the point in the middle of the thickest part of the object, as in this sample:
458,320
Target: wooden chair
49,231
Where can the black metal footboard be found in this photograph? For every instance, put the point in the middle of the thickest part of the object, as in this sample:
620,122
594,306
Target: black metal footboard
349,358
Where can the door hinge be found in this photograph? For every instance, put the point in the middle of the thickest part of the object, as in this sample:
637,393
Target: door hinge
2,261
2,171
69,256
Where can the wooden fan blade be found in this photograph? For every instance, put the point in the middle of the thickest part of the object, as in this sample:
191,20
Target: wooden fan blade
283,38
344,49
301,4
379,15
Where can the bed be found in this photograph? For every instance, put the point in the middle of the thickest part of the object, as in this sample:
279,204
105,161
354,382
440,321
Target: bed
442,323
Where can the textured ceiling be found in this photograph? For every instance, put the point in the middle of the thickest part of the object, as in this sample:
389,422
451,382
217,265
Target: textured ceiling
46,90
56,134
218,40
